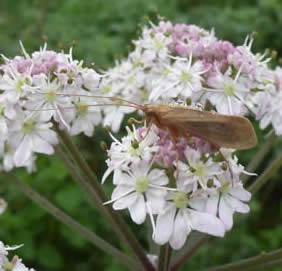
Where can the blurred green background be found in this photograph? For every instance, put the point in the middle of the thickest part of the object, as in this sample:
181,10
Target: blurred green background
103,30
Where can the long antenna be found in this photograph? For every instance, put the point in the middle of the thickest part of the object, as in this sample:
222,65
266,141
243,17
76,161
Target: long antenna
100,96
88,105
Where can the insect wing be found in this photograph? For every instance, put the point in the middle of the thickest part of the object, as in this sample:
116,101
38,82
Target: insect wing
221,130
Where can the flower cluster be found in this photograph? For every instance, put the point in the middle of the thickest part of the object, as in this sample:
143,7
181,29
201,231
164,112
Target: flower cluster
186,62
181,187
37,91
15,264
268,104
3,206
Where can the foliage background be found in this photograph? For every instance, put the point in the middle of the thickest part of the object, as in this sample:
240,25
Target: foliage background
103,30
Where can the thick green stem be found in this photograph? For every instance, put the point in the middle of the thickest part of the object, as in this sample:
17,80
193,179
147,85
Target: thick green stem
266,175
162,260
259,156
193,243
67,220
116,220
253,263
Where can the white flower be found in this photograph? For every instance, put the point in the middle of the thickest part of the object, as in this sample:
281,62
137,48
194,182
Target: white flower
183,78
177,219
195,171
138,145
3,206
228,94
87,117
30,135
45,98
140,189
228,199
154,43
90,78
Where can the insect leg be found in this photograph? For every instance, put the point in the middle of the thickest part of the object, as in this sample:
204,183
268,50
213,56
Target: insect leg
137,121
173,137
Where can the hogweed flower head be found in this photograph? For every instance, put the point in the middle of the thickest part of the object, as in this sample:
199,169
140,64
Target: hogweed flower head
181,187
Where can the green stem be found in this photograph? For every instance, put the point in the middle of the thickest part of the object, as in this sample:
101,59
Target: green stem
80,180
67,220
162,261
266,266
259,156
196,240
253,263
116,220
266,175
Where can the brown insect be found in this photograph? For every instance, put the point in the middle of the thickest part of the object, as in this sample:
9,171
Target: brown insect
219,130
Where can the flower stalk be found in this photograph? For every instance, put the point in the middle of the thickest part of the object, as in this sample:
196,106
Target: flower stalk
119,224
260,262
70,222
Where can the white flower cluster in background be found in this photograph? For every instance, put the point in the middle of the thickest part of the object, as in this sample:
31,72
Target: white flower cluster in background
179,62
15,264
180,188
3,205
5,264
34,93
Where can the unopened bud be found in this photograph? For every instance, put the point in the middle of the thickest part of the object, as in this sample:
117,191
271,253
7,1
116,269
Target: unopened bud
254,35
224,166
130,121
107,128
190,141
208,106
134,144
218,158
267,52
103,145
210,183
188,101
73,43
204,158
45,38
274,54
61,45
192,169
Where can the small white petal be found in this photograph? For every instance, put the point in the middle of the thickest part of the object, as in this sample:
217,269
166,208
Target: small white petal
225,213
138,210
240,193
180,231
206,223
164,226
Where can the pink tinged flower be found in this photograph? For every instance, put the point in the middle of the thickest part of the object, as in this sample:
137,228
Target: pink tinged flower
242,58
140,190
167,154
14,83
178,219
